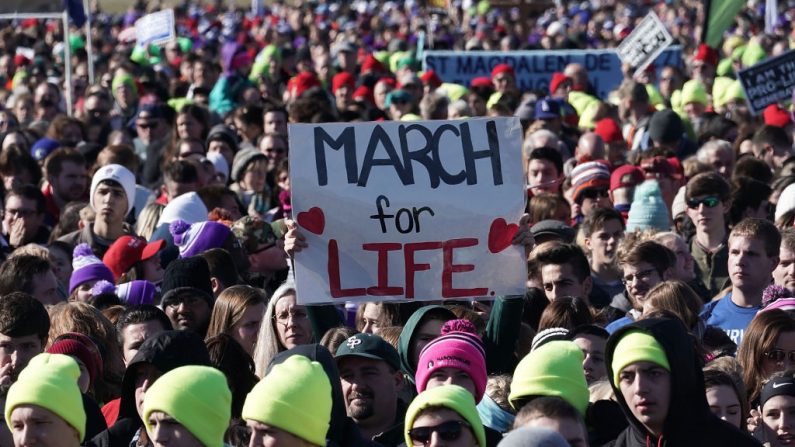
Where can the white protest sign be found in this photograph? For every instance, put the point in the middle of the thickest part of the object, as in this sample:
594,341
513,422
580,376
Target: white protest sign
646,42
414,210
155,28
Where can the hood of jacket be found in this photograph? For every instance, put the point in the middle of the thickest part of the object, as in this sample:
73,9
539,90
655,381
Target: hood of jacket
342,430
165,351
688,410
407,336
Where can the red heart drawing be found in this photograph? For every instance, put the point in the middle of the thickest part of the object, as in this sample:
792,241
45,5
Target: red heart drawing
313,220
501,234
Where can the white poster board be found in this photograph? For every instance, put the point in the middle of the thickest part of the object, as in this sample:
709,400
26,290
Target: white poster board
155,28
416,210
645,43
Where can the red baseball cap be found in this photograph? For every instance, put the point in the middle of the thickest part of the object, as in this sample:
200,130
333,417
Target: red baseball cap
126,251
608,129
431,78
558,79
502,68
481,81
626,176
342,79
707,54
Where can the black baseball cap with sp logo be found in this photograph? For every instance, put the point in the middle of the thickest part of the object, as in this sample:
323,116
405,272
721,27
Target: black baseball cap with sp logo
369,346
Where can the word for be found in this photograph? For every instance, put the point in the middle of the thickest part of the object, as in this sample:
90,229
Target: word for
412,214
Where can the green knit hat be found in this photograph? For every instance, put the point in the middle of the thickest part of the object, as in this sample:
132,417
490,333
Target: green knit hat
637,346
50,381
449,396
197,397
295,396
553,369
694,91
123,78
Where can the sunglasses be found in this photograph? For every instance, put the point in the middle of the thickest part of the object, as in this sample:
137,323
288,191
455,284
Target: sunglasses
593,194
449,431
709,202
147,125
778,355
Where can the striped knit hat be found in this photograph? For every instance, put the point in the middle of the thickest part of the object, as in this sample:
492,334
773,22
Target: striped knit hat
458,347
592,174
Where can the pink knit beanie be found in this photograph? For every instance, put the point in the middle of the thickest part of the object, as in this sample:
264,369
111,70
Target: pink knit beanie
458,347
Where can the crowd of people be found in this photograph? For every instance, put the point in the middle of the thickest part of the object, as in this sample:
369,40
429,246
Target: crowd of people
146,288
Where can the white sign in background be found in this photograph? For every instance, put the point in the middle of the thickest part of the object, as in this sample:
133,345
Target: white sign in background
645,43
419,210
156,28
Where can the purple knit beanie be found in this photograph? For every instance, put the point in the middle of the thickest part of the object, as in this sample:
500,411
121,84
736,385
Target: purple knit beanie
199,237
458,347
87,267
135,293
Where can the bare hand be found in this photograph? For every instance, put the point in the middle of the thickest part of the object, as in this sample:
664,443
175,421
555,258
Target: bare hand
523,236
755,422
5,374
16,235
294,241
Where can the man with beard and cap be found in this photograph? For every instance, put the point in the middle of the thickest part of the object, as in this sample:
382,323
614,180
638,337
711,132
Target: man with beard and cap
656,375
371,381
157,355
342,431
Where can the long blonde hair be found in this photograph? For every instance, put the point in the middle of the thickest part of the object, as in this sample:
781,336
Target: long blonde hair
268,344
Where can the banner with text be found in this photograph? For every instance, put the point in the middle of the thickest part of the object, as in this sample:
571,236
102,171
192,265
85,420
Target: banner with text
645,44
155,28
534,69
769,81
422,210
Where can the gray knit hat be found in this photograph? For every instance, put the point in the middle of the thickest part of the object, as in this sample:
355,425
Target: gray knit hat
242,160
533,437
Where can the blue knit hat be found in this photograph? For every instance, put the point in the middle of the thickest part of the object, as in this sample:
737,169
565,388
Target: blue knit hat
648,209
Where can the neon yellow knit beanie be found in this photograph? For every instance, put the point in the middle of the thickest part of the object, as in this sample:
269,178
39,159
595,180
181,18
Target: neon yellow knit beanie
295,396
197,397
449,396
694,91
50,381
553,369
637,346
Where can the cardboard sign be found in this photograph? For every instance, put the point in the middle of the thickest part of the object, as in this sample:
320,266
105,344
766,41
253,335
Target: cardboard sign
769,81
155,28
646,42
414,210
534,69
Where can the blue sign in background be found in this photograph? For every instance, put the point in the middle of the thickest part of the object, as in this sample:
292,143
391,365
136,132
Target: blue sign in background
534,69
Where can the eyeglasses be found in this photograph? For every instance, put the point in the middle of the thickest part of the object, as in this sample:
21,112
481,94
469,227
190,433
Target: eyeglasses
709,202
594,193
188,300
98,112
449,431
296,315
20,212
275,150
778,355
642,276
